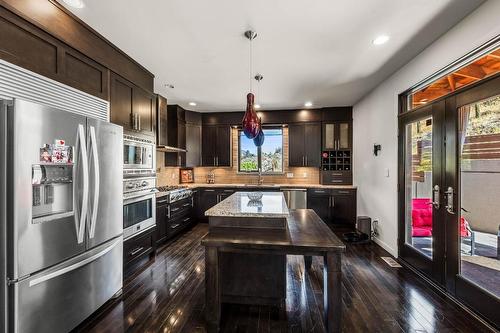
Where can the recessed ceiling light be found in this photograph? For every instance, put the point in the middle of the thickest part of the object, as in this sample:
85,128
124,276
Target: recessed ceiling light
257,106
192,103
75,3
379,40
308,104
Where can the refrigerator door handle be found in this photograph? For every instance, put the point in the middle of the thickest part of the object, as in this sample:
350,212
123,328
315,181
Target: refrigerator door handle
74,266
94,154
80,217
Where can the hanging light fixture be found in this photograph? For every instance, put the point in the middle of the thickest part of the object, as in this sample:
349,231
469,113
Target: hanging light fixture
259,139
251,123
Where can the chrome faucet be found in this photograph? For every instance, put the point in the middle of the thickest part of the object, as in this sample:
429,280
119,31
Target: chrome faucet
261,179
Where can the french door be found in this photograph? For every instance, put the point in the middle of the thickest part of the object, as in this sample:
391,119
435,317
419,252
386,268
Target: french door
449,194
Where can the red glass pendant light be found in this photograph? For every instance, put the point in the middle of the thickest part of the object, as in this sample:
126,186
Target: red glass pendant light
251,124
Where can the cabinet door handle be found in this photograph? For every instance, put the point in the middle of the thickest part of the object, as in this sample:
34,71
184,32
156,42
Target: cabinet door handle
303,164
134,252
336,181
344,192
209,190
175,209
186,205
186,219
329,202
333,201
214,161
307,163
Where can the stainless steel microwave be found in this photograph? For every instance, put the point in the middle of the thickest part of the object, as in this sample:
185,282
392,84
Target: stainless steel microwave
139,155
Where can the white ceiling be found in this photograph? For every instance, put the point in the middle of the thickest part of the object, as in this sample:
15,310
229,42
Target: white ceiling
314,50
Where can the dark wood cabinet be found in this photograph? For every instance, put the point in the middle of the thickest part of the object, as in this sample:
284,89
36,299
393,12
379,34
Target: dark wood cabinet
139,247
335,206
296,148
193,145
344,207
176,135
208,199
161,221
132,107
47,39
216,145
161,121
337,135
304,145
121,96
319,201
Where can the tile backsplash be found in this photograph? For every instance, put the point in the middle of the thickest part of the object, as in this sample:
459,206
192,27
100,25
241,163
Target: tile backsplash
230,175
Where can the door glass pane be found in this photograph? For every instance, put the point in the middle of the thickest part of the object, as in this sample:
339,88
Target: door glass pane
329,139
344,135
479,222
418,185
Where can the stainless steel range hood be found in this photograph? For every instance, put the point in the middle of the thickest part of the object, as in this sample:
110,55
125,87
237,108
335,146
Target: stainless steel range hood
170,149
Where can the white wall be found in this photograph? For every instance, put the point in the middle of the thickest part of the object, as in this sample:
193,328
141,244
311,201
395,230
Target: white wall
375,118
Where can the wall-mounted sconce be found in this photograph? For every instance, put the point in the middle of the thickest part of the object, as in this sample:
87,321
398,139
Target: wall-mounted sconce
376,149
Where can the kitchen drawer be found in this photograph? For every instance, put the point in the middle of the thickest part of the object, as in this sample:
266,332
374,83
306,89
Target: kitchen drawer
336,177
178,224
138,246
160,201
318,192
351,192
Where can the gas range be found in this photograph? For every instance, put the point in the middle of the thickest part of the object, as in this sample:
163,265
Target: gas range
172,193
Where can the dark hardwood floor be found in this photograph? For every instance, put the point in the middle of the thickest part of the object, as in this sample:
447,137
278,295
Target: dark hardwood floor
168,296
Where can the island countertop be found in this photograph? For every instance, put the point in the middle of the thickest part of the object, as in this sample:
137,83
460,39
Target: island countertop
272,205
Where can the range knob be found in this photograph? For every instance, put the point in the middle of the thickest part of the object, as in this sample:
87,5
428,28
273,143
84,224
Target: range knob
144,183
130,186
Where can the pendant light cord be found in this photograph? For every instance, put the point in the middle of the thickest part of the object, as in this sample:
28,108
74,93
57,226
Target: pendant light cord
251,69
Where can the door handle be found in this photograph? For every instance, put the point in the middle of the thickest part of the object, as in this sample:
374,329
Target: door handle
306,161
303,161
436,197
95,206
81,147
215,164
449,200
332,199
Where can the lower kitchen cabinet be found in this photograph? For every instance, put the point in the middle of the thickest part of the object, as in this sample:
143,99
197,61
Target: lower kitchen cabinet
137,248
172,218
208,198
334,206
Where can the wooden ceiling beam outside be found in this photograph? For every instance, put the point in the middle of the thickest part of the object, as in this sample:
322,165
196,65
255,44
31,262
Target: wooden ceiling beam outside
473,71
451,82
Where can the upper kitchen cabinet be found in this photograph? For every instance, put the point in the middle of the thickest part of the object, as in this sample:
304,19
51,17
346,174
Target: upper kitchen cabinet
162,121
216,145
50,41
337,135
304,148
193,139
132,107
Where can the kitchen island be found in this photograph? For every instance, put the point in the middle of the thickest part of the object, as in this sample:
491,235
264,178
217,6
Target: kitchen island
246,248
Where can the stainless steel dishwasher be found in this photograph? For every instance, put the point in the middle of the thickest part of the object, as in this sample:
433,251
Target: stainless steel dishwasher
296,198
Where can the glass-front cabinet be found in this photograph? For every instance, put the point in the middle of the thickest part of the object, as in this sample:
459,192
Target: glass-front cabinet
337,135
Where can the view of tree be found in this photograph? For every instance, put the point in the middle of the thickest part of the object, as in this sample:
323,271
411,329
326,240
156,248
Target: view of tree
271,153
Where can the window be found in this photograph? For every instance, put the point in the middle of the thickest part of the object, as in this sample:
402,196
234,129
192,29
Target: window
268,157
483,67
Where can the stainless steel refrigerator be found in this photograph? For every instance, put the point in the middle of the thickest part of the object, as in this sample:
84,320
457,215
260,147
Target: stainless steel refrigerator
62,223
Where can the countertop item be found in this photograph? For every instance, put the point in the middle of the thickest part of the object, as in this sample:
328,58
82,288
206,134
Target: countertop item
239,205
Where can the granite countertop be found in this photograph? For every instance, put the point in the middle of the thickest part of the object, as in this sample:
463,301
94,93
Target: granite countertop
269,186
272,205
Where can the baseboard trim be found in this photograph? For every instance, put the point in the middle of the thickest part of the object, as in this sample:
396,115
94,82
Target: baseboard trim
444,293
386,247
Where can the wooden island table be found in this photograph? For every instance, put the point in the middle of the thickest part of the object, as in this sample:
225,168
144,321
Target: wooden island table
246,248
